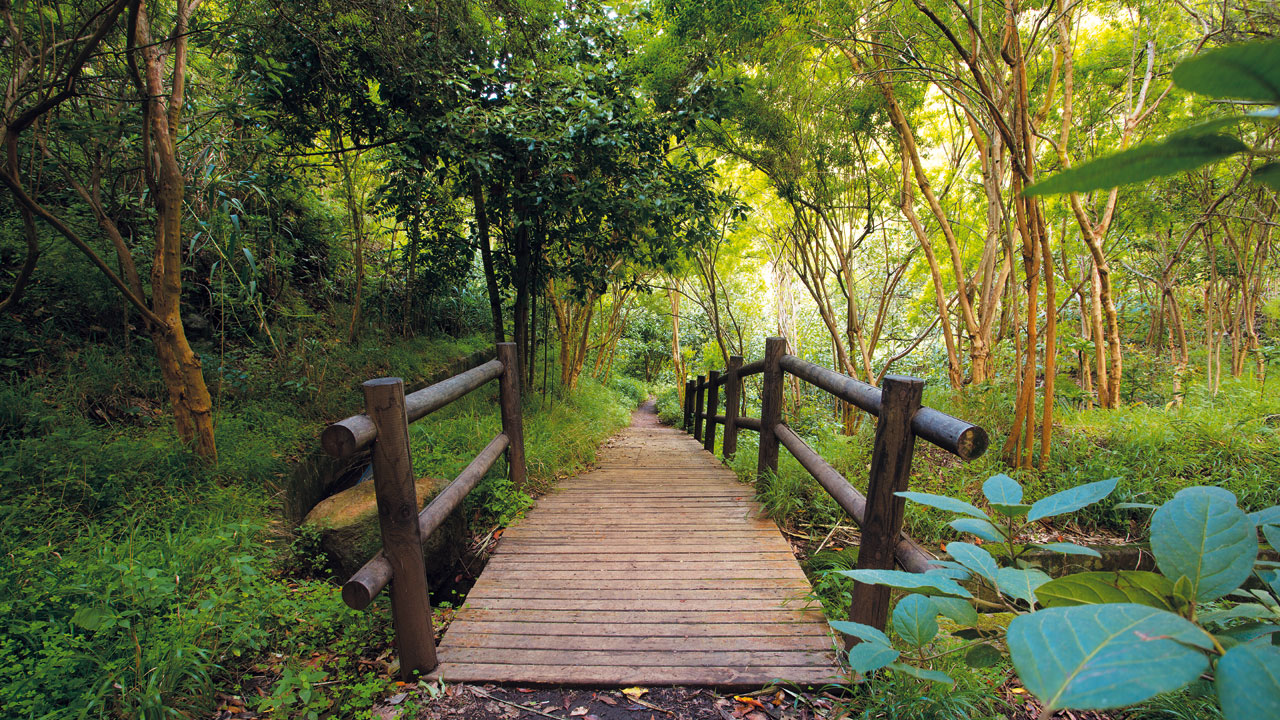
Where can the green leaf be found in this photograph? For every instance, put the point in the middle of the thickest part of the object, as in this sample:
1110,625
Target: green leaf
1253,611
1067,548
907,580
942,502
865,633
1071,500
1272,534
915,619
1246,632
1249,71
1021,584
1002,490
974,558
930,675
983,656
957,609
1094,657
867,656
1118,586
1206,539
1266,516
980,528
1247,679
1174,154
1269,175
89,618
1014,511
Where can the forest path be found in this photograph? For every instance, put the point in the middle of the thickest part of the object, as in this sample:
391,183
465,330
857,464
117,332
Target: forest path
654,568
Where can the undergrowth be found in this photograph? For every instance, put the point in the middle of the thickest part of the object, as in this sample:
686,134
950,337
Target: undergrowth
136,581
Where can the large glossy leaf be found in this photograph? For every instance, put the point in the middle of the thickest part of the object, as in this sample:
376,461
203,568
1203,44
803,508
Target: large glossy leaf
1247,679
958,609
1072,499
863,632
867,656
1021,584
1269,515
915,619
1174,154
942,502
1249,71
1002,490
1067,548
1105,656
975,558
1206,539
983,656
1272,535
907,580
1119,586
979,528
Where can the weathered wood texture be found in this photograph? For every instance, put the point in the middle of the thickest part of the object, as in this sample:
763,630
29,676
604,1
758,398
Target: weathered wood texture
656,568
398,519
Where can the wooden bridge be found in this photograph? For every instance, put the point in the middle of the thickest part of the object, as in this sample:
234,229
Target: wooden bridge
655,568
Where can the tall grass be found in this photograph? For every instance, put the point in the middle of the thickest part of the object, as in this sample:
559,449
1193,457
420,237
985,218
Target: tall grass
135,580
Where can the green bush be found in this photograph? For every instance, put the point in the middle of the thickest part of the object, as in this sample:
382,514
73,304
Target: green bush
670,411
634,390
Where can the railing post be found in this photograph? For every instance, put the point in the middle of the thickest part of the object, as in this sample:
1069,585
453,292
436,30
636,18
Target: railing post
732,401
512,420
770,406
393,484
688,406
890,470
698,389
713,403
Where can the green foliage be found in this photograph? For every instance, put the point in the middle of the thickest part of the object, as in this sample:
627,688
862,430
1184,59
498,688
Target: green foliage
1245,71
634,390
1109,639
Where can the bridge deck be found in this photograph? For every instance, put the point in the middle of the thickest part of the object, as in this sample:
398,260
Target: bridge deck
655,568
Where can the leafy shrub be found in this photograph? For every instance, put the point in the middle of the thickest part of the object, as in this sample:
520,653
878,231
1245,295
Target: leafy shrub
1099,640
630,388
670,411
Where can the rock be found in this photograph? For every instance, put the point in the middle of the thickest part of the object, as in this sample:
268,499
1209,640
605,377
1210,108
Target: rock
349,534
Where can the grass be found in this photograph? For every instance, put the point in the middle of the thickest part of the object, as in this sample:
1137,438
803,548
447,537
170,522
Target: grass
1230,440
135,581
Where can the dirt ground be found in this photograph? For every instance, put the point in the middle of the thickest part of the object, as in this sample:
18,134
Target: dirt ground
470,702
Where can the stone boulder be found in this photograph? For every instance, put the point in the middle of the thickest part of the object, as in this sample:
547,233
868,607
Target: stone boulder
349,534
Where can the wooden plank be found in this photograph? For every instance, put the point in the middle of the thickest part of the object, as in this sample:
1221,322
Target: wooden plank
656,568
675,617
763,643
739,677
634,630
586,601
643,658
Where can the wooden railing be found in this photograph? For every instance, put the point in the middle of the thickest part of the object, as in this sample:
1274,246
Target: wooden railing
384,428
900,420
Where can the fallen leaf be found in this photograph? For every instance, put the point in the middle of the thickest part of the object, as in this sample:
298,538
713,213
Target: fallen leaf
606,700
634,692
578,712
397,699
524,690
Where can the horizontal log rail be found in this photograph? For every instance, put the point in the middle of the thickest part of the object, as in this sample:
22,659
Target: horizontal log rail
384,428
345,437
370,579
900,420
